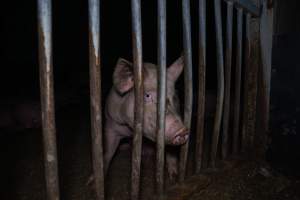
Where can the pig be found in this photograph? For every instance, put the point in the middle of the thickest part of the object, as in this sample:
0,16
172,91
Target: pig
119,110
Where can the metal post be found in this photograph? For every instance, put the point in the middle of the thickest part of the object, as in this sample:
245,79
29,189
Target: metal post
266,42
161,107
188,83
139,100
228,62
95,96
238,71
220,77
250,93
201,85
47,98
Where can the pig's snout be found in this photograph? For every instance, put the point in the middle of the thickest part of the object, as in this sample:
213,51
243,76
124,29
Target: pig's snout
181,136
176,132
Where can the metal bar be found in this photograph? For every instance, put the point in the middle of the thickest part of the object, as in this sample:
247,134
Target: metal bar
253,83
139,100
47,98
95,97
250,93
188,83
228,62
220,77
248,6
161,106
201,85
245,94
238,71
266,42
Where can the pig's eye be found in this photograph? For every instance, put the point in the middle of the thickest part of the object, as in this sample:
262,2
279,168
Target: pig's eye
148,97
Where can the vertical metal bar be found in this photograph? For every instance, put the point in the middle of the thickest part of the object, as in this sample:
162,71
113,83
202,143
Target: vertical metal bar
47,98
245,94
238,71
188,83
161,107
266,42
201,85
220,77
228,62
249,93
139,100
252,85
95,96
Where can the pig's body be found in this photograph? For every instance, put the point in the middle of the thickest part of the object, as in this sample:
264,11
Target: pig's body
119,110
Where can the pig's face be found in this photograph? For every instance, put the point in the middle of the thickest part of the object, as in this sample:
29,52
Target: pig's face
175,132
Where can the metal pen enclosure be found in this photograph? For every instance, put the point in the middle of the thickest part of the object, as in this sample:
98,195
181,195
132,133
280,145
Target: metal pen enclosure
242,137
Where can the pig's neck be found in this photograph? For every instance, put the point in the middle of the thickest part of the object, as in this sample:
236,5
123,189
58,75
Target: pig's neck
117,108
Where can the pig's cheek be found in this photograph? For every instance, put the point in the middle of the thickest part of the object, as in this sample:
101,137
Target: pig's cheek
150,121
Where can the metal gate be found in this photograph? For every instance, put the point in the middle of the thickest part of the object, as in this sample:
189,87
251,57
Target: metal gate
242,140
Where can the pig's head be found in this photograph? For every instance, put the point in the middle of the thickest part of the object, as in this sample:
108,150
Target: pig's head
175,131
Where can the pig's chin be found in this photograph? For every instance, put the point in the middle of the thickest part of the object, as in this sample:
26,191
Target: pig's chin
180,137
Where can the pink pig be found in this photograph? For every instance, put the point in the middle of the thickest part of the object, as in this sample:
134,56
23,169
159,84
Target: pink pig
119,110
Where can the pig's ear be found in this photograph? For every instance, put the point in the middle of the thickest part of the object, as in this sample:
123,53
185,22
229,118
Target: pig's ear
123,76
176,69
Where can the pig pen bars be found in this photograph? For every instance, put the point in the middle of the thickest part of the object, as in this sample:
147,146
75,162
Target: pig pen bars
222,106
139,97
162,89
47,98
95,97
238,71
188,83
201,86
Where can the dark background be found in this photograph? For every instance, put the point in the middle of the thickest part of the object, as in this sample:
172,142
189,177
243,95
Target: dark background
284,151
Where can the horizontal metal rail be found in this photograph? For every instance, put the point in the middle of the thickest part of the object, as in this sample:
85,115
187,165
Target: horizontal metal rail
248,6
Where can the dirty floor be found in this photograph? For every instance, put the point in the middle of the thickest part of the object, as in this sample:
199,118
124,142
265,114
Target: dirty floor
21,171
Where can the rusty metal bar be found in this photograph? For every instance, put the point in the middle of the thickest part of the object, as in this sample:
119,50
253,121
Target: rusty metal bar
139,100
248,6
201,85
188,83
95,97
228,62
161,106
47,98
238,71
220,77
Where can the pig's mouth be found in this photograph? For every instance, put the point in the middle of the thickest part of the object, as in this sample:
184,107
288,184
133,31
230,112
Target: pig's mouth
181,136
